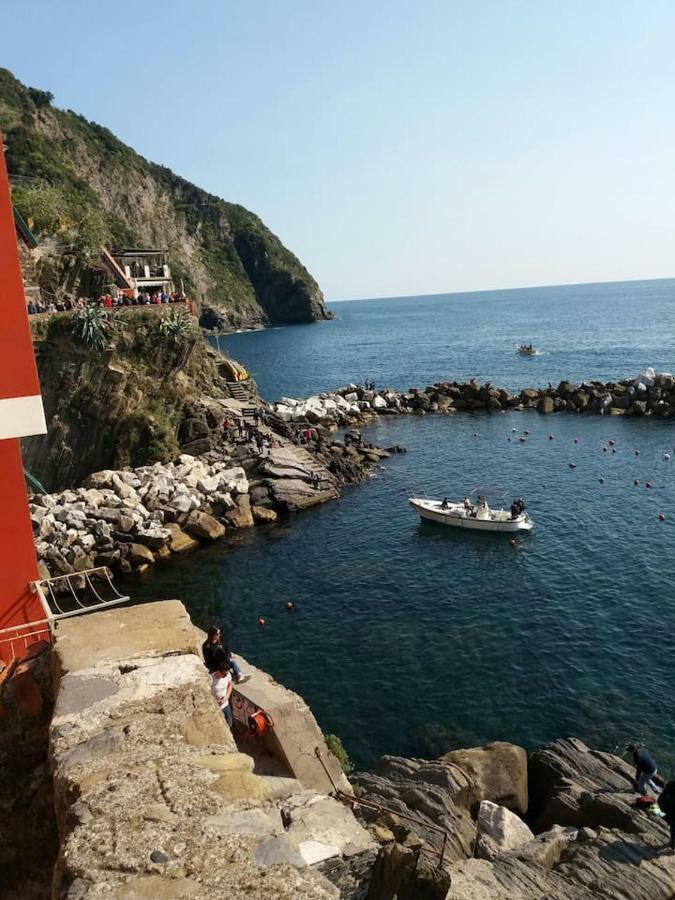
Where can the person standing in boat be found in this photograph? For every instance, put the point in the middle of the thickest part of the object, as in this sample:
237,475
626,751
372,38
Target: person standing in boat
517,507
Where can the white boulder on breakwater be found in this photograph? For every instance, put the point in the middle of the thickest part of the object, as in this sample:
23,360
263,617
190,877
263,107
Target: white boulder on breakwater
649,393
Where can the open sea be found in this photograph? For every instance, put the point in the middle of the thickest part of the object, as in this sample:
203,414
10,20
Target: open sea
414,639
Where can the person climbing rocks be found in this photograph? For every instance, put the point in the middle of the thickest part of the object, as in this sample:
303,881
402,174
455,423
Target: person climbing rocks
221,688
215,654
666,803
645,769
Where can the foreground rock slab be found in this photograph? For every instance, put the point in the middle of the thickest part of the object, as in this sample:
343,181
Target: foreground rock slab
152,797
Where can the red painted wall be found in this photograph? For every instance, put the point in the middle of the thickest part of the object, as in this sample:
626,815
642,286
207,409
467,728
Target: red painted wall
18,378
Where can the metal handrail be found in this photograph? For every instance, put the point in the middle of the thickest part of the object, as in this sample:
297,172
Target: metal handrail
54,610
377,807
36,632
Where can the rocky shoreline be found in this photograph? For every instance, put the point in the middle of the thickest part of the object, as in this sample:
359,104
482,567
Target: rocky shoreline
649,393
131,518
560,822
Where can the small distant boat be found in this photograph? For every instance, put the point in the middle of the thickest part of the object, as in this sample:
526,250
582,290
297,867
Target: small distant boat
528,350
477,516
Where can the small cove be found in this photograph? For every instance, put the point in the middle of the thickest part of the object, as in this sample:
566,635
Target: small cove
408,638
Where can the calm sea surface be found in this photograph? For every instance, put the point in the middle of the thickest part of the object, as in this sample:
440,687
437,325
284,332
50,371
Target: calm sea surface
411,638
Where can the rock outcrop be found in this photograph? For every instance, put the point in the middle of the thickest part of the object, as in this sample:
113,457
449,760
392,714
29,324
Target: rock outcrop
131,518
435,795
588,839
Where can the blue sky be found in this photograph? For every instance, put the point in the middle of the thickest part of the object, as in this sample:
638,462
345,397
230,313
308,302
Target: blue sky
397,148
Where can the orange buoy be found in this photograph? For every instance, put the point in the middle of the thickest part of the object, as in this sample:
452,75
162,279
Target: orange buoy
290,605
662,517
261,621
260,723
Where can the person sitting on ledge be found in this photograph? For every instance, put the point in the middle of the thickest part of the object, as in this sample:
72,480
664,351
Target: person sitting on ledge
221,688
645,769
215,654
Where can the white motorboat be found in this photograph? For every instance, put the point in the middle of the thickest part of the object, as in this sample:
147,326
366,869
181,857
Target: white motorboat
477,516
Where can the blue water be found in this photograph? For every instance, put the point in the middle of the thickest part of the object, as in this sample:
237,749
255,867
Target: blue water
585,332
411,638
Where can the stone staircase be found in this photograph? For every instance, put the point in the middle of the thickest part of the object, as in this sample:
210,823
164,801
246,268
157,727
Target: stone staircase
239,390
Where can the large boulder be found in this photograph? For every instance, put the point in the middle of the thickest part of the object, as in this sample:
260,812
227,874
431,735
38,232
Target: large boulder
262,515
180,542
291,494
240,516
546,405
202,525
498,830
139,554
499,772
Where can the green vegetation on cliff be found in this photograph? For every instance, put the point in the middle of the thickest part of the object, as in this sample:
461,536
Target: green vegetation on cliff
78,183
135,398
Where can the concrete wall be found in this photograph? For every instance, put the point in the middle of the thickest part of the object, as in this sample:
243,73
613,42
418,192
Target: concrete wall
153,799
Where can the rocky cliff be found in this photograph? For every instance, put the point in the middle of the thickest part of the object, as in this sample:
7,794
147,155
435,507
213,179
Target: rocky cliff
137,402
82,187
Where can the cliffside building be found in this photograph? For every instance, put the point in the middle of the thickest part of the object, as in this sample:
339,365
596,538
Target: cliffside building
145,269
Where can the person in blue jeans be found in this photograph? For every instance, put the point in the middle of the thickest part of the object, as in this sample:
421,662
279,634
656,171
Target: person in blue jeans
645,769
214,651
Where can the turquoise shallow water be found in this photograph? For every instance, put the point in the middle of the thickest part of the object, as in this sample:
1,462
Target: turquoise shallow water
410,638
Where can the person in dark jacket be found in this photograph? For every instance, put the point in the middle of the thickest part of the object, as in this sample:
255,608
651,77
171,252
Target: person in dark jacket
214,653
645,769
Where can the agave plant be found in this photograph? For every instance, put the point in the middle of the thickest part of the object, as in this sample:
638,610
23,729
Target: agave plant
92,327
176,326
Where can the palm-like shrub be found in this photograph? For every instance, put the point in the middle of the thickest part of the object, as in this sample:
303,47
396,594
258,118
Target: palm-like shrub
175,326
92,327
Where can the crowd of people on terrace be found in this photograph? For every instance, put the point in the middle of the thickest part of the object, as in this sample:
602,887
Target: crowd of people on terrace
106,301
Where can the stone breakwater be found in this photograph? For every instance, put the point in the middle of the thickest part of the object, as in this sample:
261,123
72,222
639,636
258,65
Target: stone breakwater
131,518
649,393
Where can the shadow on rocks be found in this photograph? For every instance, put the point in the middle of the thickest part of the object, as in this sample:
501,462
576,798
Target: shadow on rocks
628,853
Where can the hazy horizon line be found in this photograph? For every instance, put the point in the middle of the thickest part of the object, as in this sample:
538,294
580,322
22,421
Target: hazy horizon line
528,287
